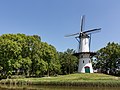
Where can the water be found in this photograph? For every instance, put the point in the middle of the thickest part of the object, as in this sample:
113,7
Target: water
9,87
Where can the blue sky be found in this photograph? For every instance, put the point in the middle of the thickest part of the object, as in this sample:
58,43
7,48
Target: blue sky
52,19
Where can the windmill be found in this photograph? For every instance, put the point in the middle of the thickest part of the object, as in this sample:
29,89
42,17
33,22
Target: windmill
84,54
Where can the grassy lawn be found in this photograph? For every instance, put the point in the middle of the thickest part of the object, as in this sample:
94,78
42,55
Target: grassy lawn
69,80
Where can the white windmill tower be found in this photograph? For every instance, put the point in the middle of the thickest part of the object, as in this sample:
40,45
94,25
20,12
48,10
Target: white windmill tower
84,40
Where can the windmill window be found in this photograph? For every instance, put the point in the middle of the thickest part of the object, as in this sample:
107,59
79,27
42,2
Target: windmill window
81,56
83,61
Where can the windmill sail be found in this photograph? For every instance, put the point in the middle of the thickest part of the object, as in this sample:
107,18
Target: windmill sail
82,22
92,31
71,35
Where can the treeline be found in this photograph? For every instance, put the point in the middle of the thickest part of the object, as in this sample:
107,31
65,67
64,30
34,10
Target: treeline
26,55
108,59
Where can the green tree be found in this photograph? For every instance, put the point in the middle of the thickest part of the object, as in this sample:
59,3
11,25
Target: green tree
69,63
107,57
18,53
49,55
9,52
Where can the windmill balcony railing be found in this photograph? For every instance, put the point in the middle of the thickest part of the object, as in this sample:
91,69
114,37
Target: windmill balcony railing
79,53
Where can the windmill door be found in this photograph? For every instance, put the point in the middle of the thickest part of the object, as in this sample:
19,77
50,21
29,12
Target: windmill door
87,69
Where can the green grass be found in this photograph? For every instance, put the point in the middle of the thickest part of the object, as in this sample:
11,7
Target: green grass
83,80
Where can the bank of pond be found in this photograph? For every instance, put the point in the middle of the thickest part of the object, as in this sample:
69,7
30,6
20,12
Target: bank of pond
40,87
79,80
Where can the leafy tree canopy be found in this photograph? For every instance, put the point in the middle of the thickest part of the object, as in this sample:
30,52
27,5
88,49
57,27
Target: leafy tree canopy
108,57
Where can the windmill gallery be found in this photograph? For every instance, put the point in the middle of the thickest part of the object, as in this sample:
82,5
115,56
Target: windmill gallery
84,54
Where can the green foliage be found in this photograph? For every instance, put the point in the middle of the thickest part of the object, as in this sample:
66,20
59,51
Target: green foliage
107,58
68,61
27,55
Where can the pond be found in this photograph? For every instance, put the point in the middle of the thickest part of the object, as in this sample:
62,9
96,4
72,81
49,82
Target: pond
33,87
